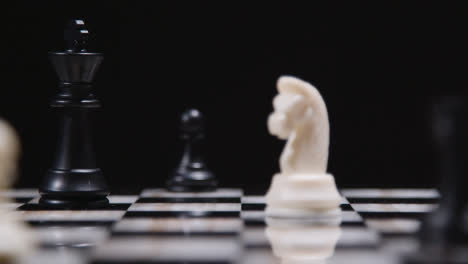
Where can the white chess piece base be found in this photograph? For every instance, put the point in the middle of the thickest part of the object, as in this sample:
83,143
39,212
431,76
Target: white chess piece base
311,196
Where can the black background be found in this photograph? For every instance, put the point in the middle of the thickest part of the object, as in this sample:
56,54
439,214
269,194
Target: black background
378,67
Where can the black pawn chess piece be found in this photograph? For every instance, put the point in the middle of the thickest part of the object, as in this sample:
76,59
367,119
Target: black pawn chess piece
192,174
74,178
444,233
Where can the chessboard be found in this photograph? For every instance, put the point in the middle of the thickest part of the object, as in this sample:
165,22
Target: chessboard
225,226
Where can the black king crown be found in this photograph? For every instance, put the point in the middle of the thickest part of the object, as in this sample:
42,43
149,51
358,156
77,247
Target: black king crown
74,178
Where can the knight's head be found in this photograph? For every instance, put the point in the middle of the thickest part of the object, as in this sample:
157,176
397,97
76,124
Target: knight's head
9,154
291,106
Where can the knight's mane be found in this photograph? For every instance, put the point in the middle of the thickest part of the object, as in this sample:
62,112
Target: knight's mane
290,84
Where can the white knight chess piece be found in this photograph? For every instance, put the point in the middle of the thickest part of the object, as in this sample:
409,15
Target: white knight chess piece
303,188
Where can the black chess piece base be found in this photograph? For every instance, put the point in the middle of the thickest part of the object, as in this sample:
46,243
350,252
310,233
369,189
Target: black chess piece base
192,183
74,189
73,202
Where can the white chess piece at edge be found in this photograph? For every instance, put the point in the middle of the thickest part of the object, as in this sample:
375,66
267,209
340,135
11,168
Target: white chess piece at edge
16,240
303,188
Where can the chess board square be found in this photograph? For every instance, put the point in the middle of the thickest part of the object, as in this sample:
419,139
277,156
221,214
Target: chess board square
75,237
220,193
253,207
344,200
351,218
35,206
394,226
253,218
254,237
63,216
393,200
188,200
19,195
70,223
346,207
260,199
25,193
394,208
260,256
373,210
253,199
257,218
358,237
52,256
184,209
178,226
391,193
164,196
122,199
193,207
22,199
34,200
116,202
258,203
363,256
169,250
7,207
253,203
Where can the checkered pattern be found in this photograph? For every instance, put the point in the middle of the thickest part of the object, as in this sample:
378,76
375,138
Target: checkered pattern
215,227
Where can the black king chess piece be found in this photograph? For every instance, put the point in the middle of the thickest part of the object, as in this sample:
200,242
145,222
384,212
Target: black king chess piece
74,178
192,174
444,233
